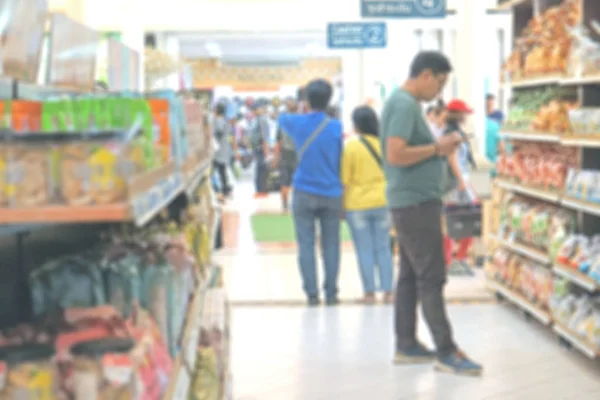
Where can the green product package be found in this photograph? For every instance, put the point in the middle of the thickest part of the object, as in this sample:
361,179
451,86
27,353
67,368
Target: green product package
141,115
84,115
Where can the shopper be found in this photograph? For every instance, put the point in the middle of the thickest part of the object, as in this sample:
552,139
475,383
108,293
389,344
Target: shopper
365,204
222,136
317,189
491,110
460,163
259,139
285,157
414,168
435,117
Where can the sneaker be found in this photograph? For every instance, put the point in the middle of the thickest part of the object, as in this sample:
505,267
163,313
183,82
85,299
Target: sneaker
388,298
313,301
369,299
458,363
417,355
332,301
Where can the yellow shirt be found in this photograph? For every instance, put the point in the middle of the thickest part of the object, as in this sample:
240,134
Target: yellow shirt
362,176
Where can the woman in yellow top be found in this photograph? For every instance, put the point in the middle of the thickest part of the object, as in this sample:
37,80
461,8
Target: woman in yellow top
365,204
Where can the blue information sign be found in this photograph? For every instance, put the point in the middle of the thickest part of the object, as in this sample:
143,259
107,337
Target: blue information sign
357,35
403,8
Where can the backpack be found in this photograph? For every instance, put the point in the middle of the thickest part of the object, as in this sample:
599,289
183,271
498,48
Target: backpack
256,134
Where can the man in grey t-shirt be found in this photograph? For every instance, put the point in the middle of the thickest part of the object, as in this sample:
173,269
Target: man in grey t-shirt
415,164
222,156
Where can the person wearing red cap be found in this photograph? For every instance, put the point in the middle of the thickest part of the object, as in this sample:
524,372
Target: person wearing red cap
459,163
415,163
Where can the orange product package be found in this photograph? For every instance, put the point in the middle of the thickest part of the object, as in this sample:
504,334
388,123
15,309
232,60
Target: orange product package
26,116
162,129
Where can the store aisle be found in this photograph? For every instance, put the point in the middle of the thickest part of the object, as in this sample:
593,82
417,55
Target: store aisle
267,273
345,353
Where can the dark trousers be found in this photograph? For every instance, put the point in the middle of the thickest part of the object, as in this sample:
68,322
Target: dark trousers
308,210
221,169
261,173
422,276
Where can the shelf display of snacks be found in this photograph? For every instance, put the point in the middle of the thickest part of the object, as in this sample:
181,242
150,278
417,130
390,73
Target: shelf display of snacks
585,57
585,122
211,371
581,254
538,165
88,149
530,280
536,225
544,46
580,314
541,110
583,185
111,318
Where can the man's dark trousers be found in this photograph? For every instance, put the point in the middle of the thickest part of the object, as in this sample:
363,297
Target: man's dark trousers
422,276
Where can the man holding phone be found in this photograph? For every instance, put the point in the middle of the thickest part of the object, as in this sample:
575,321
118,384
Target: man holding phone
415,163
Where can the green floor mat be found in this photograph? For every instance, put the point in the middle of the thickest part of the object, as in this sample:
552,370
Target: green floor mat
280,229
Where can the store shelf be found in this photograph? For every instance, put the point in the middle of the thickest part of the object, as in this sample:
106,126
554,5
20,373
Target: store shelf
539,81
509,4
576,341
525,251
576,277
556,80
581,80
581,205
532,136
518,300
65,214
587,141
180,380
195,176
146,206
151,193
541,194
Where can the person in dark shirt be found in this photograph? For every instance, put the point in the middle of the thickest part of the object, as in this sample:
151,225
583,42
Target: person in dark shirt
259,138
491,110
223,152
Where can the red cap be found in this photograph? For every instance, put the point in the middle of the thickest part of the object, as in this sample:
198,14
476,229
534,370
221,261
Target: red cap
459,106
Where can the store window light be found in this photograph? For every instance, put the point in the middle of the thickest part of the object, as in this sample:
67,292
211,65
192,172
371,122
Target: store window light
213,49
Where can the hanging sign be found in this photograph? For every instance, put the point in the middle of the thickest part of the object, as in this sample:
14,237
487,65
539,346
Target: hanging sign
403,8
357,35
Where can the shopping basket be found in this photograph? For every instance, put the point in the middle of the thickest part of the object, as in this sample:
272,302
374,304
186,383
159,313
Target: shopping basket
463,217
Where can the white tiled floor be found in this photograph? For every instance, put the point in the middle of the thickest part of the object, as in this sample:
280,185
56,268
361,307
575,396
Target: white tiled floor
345,353
296,353
259,276
274,277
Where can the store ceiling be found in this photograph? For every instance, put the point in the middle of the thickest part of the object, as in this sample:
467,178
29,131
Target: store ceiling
254,46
